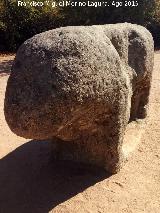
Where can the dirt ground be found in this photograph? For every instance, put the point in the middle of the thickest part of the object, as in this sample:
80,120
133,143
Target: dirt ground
31,182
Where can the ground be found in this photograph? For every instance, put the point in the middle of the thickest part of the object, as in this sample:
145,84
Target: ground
31,182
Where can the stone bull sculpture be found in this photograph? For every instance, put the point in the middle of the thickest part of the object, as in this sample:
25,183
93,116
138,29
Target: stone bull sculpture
81,87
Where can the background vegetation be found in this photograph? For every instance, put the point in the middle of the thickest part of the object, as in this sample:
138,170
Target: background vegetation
20,23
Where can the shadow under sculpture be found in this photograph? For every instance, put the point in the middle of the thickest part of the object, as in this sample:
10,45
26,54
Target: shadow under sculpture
83,87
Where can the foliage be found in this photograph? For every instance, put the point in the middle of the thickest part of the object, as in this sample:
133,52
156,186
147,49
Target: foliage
19,23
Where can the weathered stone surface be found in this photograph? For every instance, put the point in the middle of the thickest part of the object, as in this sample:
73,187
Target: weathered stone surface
80,86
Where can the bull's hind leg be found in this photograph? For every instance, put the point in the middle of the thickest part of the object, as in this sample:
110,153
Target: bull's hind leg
93,150
102,148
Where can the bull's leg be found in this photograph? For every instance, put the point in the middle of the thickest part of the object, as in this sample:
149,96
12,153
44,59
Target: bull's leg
140,59
102,149
139,104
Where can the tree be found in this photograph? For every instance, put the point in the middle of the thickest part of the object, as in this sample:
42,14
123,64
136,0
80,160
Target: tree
19,23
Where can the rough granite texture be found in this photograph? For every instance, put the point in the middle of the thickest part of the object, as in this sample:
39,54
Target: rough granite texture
80,86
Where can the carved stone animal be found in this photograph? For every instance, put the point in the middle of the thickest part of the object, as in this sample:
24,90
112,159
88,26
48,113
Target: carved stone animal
81,86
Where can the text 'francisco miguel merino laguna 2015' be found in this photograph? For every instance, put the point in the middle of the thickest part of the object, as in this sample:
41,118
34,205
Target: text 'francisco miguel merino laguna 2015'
78,3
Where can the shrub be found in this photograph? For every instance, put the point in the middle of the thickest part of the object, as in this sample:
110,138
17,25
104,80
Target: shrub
19,23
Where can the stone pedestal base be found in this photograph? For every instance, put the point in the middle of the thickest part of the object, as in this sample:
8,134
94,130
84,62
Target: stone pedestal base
97,153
